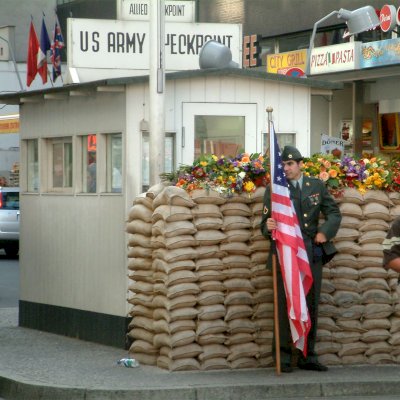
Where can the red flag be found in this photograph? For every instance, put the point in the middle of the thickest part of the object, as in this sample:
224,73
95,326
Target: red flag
292,254
33,48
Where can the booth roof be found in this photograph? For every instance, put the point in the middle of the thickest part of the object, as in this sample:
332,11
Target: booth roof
17,97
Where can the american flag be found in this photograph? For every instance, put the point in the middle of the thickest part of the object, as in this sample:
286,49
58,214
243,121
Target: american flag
292,255
56,46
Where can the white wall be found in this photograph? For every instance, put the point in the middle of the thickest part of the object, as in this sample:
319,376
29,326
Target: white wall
291,105
73,247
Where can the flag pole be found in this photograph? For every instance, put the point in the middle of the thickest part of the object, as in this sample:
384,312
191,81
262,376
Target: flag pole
274,275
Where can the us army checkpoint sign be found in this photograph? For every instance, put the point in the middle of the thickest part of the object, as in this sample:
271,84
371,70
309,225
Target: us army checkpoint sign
114,44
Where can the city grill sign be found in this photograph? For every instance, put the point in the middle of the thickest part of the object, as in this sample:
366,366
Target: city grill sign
125,44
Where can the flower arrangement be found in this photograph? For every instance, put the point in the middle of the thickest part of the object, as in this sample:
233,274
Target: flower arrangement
245,172
226,175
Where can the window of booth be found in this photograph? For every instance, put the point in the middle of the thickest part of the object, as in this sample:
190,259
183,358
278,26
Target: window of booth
32,164
388,125
219,135
89,164
60,161
169,154
114,163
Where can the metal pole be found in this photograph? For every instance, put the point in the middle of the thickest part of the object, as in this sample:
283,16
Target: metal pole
274,275
156,87
14,62
311,45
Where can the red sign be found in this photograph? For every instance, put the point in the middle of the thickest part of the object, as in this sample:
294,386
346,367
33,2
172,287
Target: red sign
387,17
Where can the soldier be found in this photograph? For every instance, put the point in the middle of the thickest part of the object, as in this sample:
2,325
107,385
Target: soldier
310,198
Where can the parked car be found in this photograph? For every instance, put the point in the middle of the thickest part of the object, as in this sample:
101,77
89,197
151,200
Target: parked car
9,220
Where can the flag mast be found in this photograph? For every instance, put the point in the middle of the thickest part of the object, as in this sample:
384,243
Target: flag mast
274,275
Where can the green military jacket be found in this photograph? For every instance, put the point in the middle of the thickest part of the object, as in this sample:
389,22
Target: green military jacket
314,201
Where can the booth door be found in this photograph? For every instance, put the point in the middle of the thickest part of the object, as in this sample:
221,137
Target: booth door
218,128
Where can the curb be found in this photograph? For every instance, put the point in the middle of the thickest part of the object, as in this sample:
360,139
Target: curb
16,390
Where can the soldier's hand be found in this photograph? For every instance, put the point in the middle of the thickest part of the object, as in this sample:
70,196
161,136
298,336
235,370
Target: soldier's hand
320,238
271,224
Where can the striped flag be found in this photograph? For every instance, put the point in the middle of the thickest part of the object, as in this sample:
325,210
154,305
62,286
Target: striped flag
42,53
292,255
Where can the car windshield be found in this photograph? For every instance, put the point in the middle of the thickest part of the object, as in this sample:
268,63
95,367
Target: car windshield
9,200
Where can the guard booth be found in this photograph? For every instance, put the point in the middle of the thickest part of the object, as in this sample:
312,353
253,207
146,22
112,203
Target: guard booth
85,157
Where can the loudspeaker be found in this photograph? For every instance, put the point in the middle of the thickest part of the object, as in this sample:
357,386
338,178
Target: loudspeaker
216,55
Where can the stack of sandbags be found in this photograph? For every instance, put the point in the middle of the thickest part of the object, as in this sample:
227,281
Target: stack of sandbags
239,288
374,280
261,279
211,329
175,282
141,284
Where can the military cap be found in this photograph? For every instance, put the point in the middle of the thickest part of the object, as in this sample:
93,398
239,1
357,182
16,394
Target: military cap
291,153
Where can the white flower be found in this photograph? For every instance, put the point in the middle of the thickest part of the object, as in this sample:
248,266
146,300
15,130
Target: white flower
242,174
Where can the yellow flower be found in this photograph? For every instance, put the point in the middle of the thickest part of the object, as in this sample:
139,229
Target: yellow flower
249,186
232,179
214,157
203,163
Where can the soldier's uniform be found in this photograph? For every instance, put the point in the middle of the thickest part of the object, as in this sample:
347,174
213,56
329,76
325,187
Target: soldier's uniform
312,200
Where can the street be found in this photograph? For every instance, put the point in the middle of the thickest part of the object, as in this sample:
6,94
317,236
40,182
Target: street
9,281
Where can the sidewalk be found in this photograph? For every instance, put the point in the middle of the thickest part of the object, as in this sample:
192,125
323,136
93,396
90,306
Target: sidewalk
38,365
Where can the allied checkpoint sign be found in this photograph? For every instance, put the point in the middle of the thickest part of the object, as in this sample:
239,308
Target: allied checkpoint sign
139,10
116,44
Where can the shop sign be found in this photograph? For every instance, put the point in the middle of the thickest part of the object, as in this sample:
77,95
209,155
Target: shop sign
332,145
139,10
387,18
291,63
336,58
251,51
113,44
382,52
9,124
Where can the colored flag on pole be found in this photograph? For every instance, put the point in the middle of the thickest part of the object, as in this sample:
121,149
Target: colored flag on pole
31,62
292,254
42,54
56,46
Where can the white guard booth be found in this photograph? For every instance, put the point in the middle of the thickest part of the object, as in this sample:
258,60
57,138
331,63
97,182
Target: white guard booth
73,249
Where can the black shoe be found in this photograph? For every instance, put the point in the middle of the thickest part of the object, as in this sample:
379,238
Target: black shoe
312,366
286,368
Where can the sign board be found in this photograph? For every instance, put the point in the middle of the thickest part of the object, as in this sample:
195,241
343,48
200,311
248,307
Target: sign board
387,18
9,124
292,63
332,145
382,52
113,44
336,58
139,10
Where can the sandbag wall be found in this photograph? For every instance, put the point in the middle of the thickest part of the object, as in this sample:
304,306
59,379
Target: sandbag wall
201,295
202,298
359,313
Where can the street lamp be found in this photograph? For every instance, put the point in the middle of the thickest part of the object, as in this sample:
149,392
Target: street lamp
360,20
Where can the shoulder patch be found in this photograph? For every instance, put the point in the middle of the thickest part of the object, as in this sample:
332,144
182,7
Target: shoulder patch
265,210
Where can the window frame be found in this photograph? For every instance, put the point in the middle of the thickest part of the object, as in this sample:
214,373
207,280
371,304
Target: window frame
50,142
